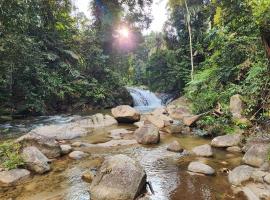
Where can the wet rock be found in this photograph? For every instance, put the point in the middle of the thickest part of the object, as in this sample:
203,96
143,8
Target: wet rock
175,147
119,177
234,149
201,168
65,149
119,133
77,155
35,160
125,114
147,134
226,140
13,177
203,150
240,174
88,176
256,155
48,146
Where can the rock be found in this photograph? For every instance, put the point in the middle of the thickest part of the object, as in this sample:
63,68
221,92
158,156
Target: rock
226,140
256,191
147,134
203,150
175,147
76,144
119,177
267,178
159,120
236,106
77,155
65,149
190,120
13,177
234,149
35,160
256,155
139,124
240,174
113,143
48,146
78,128
201,168
258,176
174,127
255,140
88,176
179,108
119,133
160,111
125,114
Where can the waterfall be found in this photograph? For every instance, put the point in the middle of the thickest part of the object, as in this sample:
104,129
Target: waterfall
144,100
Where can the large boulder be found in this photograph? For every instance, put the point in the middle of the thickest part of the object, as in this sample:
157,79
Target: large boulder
240,174
13,177
48,146
226,140
35,160
159,120
125,114
147,134
256,155
203,150
119,177
201,168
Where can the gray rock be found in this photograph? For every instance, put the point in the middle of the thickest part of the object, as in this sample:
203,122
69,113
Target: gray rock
126,114
175,147
48,146
203,150
240,174
267,178
201,168
226,140
258,176
13,177
234,149
256,155
147,134
256,191
119,177
77,155
236,106
65,149
35,160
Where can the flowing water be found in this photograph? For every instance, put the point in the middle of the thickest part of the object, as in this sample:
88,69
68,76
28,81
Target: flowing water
167,171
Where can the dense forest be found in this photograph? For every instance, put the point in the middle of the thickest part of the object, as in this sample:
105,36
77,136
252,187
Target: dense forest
54,58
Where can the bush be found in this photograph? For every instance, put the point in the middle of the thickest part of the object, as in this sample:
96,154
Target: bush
10,156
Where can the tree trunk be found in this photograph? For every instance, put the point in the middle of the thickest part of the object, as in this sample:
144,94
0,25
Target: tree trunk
190,41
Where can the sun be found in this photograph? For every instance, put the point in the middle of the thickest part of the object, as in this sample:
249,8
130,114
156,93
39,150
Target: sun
123,32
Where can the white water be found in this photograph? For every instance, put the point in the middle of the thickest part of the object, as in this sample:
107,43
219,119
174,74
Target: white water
144,100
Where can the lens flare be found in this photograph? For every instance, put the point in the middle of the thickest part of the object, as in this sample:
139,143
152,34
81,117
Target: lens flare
123,32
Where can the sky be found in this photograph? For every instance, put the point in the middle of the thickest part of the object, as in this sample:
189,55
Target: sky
159,13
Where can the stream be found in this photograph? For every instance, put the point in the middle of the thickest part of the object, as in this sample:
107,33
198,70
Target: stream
167,171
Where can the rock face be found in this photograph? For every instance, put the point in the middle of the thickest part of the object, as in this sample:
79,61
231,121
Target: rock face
240,174
203,150
256,155
12,177
119,177
75,129
226,140
175,147
236,106
125,114
77,155
147,134
35,160
201,168
48,146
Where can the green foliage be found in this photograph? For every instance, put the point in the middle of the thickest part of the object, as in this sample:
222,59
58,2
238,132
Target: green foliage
10,156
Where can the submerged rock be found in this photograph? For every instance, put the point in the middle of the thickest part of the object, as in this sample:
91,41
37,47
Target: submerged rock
48,146
240,174
175,147
203,150
119,133
77,155
147,134
256,155
125,114
119,177
226,140
201,168
12,177
35,160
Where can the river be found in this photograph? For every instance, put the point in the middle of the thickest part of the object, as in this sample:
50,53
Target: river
167,171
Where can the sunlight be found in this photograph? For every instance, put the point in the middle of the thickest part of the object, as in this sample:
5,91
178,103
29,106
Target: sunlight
123,32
